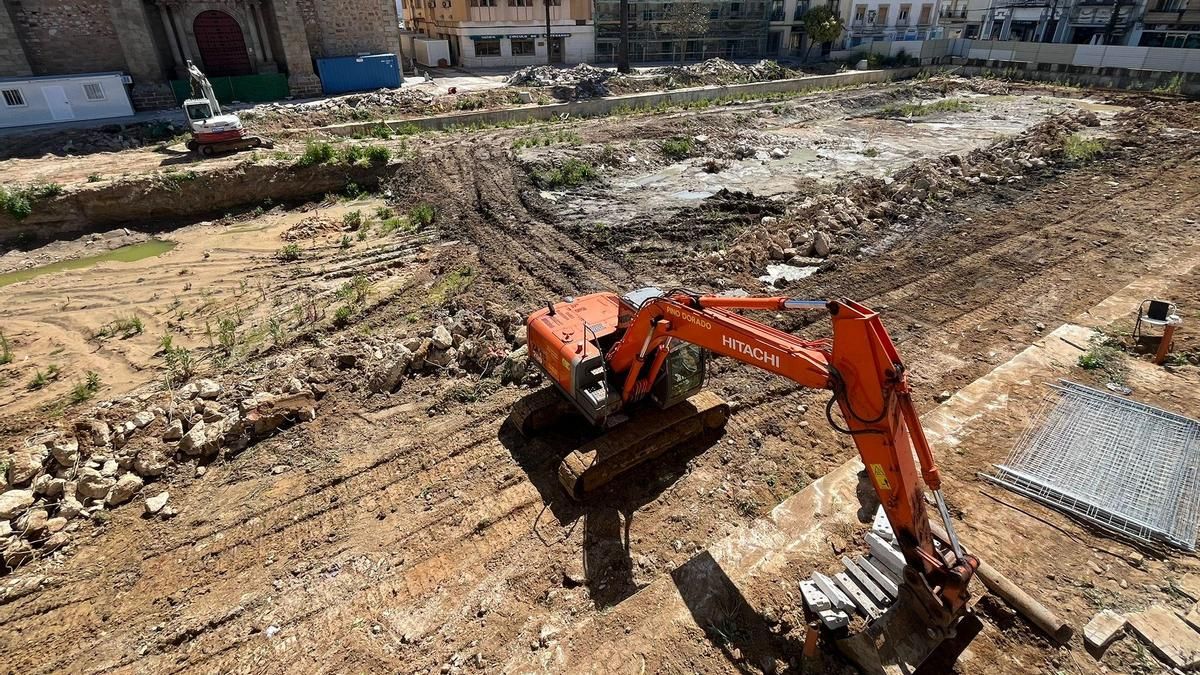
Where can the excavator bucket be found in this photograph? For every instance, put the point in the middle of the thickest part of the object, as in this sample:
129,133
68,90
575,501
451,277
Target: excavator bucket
907,640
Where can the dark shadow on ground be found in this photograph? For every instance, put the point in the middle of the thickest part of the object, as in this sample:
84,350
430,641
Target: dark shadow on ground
606,514
729,621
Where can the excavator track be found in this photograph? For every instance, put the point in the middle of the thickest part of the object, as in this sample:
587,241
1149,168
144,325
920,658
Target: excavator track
639,440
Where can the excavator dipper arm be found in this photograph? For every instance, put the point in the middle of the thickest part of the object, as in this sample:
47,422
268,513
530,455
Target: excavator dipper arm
862,368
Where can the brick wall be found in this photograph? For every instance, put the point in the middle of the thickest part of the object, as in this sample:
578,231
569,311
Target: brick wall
348,27
68,36
312,26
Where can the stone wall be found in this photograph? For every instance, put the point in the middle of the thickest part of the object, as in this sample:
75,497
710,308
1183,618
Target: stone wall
350,27
68,36
12,53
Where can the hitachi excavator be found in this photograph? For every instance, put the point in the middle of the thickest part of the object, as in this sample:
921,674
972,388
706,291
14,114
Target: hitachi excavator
634,366
212,131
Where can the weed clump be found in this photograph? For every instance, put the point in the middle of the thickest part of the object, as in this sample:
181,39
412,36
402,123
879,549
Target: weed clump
422,216
316,152
288,253
1079,149
677,148
572,173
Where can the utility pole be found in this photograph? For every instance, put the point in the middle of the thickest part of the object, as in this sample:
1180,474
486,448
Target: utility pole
549,56
1112,23
623,45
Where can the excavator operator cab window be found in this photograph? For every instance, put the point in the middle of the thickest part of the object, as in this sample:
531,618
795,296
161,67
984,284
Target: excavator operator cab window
682,376
197,112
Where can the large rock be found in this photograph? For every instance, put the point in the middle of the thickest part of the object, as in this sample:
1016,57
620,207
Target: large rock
1168,636
18,553
442,339
195,440
96,431
515,365
208,389
26,462
143,419
821,244
278,411
156,503
65,451
92,484
14,502
151,461
174,430
127,486
1105,627
387,378
32,522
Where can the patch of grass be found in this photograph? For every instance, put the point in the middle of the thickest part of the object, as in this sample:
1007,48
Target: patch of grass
871,152
316,152
1173,85
122,326
677,148
356,290
86,389
227,334
1079,149
378,154
422,216
41,379
451,285
1104,353
288,253
346,242
353,219
6,355
406,129
909,110
353,191
390,225
547,138
342,315
469,104
364,155
362,234
572,173
18,202
93,178
180,364
384,212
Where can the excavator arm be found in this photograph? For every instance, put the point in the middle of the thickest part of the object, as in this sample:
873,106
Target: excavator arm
862,369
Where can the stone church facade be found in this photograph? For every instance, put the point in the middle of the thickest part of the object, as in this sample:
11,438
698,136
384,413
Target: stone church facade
152,40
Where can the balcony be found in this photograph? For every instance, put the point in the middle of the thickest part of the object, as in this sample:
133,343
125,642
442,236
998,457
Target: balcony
1184,16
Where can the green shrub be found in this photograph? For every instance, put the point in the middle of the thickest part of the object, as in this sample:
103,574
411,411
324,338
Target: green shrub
346,241
6,355
422,216
352,154
677,148
93,178
16,203
288,253
925,109
378,154
353,219
86,389
341,316
572,173
316,152
1079,149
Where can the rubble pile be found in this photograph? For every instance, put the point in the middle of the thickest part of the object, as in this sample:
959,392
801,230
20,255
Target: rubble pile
59,478
831,222
581,81
107,138
310,227
720,71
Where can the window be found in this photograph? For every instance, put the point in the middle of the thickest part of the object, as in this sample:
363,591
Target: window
520,3
487,47
13,98
481,3
860,13
93,91
522,47
902,15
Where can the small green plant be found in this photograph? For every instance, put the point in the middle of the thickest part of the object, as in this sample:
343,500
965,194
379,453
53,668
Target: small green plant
122,326
871,152
353,191
362,234
180,365
451,285
346,242
572,173
384,212
39,380
378,154
276,330
356,290
86,389
353,219
407,129
1104,354
677,148
6,355
165,343
392,224
352,154
422,215
93,178
316,152
341,316
227,334
1079,149
910,110
381,131
288,253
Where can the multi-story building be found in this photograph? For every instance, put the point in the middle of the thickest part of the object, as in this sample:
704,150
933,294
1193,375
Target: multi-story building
1171,23
892,20
737,29
484,33
787,38
962,18
1110,22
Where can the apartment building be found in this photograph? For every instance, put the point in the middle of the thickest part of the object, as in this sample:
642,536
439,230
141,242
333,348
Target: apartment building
892,20
737,29
483,33
1171,23
1097,22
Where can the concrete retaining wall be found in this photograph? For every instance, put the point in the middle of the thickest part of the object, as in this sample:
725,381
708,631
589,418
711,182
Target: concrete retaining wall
604,106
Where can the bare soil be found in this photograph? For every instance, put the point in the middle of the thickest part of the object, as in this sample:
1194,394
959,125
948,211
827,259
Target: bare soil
413,530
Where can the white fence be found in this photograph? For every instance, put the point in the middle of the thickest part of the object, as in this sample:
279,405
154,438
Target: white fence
1034,53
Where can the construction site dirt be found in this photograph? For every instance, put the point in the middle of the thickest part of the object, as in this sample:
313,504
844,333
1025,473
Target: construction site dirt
406,527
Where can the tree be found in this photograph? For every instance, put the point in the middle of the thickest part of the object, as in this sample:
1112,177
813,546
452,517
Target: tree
684,20
822,26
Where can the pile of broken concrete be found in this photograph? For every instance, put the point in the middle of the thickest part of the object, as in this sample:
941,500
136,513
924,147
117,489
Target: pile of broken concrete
59,477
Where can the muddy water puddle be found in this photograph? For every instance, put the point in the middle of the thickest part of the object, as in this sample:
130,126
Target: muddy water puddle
124,254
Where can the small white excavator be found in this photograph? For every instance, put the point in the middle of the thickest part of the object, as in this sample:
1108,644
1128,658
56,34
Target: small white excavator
212,131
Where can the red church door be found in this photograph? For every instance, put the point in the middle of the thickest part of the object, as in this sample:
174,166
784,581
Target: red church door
222,47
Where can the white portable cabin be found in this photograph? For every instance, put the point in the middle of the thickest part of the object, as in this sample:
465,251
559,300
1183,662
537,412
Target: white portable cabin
430,52
47,99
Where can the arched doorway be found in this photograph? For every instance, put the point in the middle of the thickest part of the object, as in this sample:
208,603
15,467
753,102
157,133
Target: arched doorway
222,47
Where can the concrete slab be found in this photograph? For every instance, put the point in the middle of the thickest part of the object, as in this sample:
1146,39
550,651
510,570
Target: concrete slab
851,589
865,582
1192,616
1168,636
1190,585
1103,629
882,526
813,597
885,583
835,594
885,554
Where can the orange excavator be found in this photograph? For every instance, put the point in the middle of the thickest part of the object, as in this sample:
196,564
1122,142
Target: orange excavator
634,365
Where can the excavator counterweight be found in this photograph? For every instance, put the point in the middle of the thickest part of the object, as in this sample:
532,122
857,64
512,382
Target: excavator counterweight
633,365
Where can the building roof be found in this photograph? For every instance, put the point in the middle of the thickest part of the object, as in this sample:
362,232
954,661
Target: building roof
36,78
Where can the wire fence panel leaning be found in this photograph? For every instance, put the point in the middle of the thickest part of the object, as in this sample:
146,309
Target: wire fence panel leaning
1122,465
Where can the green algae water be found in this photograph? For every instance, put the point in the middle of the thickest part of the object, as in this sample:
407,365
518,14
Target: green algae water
131,253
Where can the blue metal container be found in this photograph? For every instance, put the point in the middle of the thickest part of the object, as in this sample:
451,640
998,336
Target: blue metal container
358,73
